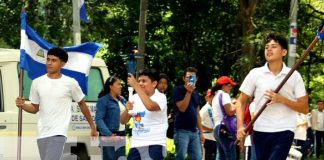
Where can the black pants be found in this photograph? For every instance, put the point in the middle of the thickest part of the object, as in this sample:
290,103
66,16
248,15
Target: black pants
210,149
309,144
319,136
301,143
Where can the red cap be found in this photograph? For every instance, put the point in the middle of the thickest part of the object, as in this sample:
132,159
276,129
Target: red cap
224,79
208,93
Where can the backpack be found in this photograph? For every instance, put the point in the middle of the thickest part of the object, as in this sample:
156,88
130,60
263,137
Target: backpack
228,121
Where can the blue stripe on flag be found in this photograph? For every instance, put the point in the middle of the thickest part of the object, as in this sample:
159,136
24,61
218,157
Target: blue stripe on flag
83,12
32,45
30,65
80,77
23,20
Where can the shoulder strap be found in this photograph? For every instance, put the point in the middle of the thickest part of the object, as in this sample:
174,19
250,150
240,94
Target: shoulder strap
220,101
210,113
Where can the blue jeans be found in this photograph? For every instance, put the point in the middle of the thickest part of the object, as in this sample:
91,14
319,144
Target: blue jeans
226,149
109,153
113,150
187,142
152,152
272,145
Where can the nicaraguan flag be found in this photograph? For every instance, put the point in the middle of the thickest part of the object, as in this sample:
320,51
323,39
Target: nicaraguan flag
83,11
33,53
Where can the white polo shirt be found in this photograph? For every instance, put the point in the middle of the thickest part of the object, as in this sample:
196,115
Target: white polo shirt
276,117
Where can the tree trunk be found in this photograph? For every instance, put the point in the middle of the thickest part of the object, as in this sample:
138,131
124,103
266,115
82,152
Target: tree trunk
141,34
247,60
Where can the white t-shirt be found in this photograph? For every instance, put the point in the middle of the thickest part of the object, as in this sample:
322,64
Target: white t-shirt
226,99
301,131
54,97
276,117
208,116
122,108
149,126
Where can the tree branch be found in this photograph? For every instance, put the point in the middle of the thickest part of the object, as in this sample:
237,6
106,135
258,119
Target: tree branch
315,10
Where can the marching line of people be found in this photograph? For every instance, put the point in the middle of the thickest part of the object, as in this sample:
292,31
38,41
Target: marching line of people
206,132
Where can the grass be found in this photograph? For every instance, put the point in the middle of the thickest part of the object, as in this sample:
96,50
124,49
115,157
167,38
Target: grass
170,148
314,157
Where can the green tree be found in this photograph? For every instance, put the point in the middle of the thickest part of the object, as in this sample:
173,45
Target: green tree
222,37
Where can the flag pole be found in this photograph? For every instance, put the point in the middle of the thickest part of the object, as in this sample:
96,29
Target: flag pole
76,22
303,56
21,78
21,83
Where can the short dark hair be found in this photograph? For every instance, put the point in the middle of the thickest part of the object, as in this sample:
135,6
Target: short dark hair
319,101
59,52
151,73
190,69
277,38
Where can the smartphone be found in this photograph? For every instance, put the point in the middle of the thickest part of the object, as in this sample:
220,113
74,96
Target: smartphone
192,79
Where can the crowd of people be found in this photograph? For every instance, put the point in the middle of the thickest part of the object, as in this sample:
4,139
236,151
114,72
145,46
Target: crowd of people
207,132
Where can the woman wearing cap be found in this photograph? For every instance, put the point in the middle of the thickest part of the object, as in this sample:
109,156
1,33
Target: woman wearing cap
222,102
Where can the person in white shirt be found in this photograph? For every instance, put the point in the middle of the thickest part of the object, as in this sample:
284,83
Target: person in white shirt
208,116
274,129
301,134
222,104
51,97
318,126
149,113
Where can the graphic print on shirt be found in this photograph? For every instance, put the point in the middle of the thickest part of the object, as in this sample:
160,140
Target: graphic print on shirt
139,126
137,120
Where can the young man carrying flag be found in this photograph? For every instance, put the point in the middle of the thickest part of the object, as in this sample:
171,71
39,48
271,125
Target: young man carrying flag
52,92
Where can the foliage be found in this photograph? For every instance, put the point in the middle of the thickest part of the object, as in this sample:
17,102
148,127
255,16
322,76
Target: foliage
216,37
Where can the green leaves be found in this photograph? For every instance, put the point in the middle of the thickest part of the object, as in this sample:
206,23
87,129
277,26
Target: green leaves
217,37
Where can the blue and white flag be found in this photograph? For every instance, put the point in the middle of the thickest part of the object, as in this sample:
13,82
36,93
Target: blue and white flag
33,54
83,11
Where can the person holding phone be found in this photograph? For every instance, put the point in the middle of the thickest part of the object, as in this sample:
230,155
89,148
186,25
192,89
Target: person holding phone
188,131
149,114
